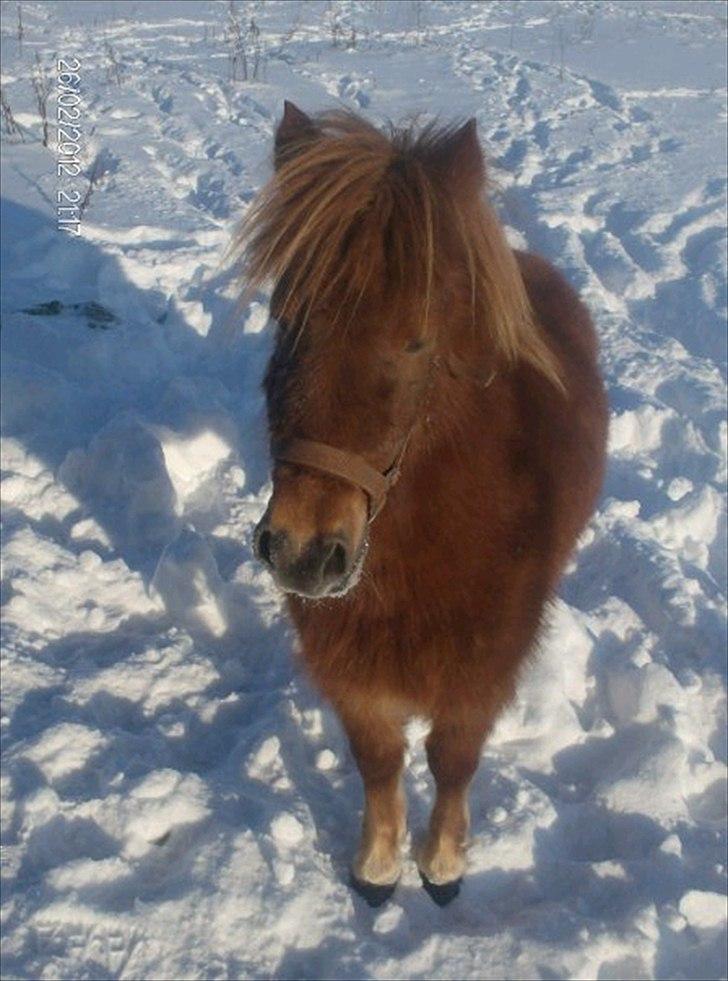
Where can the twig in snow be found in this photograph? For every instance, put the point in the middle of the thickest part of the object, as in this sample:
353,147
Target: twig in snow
113,67
42,85
96,174
11,127
234,35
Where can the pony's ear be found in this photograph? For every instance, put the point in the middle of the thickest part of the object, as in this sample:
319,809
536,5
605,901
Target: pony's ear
295,131
459,155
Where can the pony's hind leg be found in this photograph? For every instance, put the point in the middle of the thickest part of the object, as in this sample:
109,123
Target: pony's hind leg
453,753
377,742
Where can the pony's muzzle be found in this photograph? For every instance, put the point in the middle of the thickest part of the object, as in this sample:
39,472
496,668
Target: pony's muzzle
319,567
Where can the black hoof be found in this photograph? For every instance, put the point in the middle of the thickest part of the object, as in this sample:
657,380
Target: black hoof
444,894
372,895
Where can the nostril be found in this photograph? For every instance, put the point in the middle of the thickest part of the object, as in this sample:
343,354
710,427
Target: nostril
264,543
335,565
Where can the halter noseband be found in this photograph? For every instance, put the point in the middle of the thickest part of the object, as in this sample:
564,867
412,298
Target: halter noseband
350,467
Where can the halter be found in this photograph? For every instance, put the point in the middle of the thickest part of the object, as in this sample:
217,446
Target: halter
350,467
353,468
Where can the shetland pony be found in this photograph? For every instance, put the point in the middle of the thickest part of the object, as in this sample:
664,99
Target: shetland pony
437,425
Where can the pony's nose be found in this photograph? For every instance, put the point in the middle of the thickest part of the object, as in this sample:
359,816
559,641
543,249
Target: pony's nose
311,568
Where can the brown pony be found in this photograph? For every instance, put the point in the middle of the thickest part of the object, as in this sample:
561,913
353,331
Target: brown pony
438,427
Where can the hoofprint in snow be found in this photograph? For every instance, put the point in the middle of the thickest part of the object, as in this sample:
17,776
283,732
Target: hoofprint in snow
177,801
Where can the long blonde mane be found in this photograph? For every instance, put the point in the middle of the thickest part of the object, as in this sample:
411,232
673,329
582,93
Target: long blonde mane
310,232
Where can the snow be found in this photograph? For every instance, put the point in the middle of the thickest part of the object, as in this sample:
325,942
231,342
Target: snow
703,909
176,799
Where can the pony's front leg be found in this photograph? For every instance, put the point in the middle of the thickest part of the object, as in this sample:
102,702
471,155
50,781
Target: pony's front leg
377,742
453,753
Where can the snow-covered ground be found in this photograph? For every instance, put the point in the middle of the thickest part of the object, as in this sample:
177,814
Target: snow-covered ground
176,800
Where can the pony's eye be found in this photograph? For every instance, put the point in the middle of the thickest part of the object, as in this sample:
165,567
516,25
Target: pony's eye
415,345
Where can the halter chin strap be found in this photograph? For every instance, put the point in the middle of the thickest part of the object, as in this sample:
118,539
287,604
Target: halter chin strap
350,467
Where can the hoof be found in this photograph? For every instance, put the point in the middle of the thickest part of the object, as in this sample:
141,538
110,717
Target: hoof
441,894
372,894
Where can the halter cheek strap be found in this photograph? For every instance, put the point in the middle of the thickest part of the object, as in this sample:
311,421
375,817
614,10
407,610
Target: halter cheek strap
354,469
348,466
